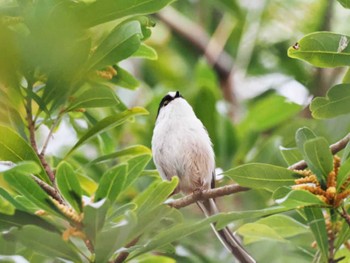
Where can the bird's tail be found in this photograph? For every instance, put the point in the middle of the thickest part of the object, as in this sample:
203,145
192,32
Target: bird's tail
225,235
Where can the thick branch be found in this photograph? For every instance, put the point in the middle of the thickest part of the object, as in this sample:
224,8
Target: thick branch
206,194
335,148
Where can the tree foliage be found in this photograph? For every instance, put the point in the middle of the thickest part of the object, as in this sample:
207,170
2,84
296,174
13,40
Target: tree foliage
68,65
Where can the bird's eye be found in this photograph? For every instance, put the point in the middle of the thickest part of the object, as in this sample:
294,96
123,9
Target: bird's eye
166,103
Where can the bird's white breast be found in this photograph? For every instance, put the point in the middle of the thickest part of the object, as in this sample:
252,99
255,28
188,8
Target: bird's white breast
181,146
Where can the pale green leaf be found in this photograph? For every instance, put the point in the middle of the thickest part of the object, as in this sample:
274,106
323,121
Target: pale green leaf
112,183
323,49
94,218
334,104
262,176
122,41
317,224
146,51
69,186
97,12
125,79
47,243
13,148
93,96
107,123
299,199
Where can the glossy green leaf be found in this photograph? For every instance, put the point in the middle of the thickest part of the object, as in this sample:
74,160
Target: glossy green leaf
284,225
323,49
24,167
319,158
126,152
93,96
107,123
25,185
98,12
19,219
122,41
155,195
112,183
125,79
11,200
291,155
334,104
345,3
110,240
302,136
6,207
172,234
94,218
47,243
253,232
69,186
136,166
262,176
317,224
225,218
155,259
299,199
14,148
146,52
343,173
262,116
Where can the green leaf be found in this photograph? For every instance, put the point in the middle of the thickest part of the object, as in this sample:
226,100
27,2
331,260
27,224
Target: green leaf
317,224
113,238
334,104
25,185
344,3
24,167
94,218
93,97
13,148
130,151
155,195
123,41
291,155
136,166
343,173
302,136
319,158
146,52
98,12
298,199
322,49
69,185
262,116
225,218
125,79
253,232
262,176
19,219
107,123
155,259
112,183
47,243
169,235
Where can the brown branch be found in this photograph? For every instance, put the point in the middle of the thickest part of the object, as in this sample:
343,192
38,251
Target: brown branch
31,129
123,255
206,194
335,148
53,192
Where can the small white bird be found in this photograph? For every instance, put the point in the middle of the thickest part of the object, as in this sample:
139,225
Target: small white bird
181,147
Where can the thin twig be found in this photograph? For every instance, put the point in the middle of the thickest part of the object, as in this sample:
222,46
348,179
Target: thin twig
123,255
335,148
31,128
206,194
49,189
46,143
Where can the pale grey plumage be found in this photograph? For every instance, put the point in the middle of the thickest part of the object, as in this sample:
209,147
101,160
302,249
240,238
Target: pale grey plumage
181,147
